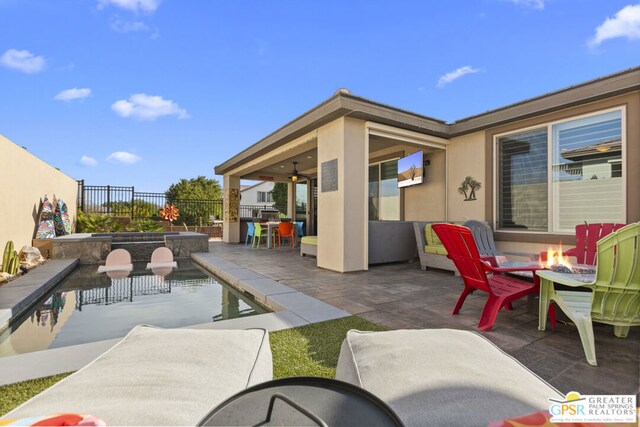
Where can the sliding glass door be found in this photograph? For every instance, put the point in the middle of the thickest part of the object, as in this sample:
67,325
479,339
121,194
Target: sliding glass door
384,194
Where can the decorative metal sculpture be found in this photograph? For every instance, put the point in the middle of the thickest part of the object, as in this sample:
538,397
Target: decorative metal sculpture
170,213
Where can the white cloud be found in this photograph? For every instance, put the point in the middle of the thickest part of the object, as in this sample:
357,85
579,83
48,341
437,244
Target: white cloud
533,4
120,26
71,94
456,74
123,157
146,107
625,23
88,161
148,6
22,60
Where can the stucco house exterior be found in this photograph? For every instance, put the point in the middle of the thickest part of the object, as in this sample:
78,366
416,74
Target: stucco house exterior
257,194
544,164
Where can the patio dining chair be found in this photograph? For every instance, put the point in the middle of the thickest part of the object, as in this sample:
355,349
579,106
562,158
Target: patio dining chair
285,230
483,236
251,229
502,289
587,237
613,297
261,232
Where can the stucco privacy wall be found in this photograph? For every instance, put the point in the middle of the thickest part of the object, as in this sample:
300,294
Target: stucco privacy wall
249,196
24,180
467,158
426,202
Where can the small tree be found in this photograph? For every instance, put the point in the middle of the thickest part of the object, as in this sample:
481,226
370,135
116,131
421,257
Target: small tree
189,195
412,172
201,188
141,208
279,194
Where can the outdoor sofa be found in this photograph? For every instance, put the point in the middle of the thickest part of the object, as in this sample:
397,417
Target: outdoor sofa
389,241
431,251
309,245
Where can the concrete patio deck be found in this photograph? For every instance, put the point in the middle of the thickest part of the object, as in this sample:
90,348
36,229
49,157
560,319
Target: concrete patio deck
401,296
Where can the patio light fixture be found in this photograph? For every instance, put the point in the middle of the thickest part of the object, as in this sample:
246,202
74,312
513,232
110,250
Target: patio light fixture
295,176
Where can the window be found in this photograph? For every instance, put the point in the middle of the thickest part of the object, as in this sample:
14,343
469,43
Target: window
522,181
384,194
265,197
553,178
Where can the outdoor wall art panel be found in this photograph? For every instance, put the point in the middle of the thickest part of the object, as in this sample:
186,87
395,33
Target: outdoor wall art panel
232,205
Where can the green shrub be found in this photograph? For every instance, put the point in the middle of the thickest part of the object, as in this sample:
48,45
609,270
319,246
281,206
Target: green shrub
143,225
96,223
141,208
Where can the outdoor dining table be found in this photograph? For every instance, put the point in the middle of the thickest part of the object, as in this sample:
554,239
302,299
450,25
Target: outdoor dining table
547,278
270,226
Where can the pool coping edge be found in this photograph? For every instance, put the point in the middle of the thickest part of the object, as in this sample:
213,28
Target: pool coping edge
268,292
56,270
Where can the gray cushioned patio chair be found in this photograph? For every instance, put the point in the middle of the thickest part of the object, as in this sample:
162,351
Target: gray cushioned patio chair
483,235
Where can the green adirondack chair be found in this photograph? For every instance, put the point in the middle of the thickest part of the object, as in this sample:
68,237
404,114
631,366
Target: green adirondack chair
615,294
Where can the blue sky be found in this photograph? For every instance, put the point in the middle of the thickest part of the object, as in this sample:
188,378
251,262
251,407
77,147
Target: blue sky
145,92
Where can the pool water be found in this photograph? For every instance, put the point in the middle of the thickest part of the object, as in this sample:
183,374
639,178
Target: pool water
88,307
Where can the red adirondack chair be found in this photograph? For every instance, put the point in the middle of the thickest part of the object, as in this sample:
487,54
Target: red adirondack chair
587,236
502,289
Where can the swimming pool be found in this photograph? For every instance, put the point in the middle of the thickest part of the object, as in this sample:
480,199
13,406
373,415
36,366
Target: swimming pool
88,307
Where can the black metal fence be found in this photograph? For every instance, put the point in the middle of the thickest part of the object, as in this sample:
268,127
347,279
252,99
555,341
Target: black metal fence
126,202
198,211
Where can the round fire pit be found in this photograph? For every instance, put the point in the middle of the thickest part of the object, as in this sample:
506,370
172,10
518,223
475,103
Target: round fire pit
575,269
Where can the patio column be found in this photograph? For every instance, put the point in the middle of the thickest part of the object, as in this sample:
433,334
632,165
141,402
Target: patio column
291,200
231,204
342,195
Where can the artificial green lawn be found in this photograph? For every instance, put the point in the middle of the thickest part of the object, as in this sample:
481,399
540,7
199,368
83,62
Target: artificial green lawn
14,394
307,350
313,349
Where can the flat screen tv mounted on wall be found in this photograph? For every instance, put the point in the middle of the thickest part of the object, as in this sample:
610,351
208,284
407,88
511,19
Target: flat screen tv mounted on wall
411,170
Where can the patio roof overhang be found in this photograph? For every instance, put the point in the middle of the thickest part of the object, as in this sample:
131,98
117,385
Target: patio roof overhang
339,105
343,103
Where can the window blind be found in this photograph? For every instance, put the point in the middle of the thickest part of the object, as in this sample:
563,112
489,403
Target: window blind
522,181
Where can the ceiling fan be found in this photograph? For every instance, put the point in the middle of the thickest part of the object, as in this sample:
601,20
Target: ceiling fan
295,176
